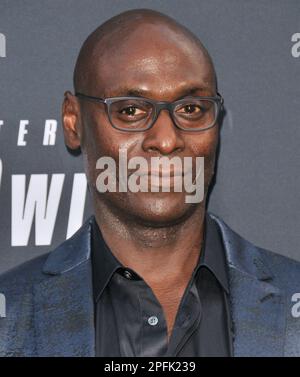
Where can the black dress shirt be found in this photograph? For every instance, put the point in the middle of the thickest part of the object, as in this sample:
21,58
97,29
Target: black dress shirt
130,321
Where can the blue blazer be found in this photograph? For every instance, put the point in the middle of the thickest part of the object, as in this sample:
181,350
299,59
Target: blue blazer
50,311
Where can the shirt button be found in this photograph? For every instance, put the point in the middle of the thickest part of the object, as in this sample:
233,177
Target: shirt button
127,274
153,320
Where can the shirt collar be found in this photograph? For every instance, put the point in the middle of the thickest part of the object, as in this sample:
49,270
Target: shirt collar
213,254
105,264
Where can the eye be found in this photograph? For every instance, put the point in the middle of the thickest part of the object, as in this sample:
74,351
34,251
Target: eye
131,111
190,108
194,109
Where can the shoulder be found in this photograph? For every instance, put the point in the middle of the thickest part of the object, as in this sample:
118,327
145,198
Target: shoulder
23,277
243,253
21,287
61,258
17,292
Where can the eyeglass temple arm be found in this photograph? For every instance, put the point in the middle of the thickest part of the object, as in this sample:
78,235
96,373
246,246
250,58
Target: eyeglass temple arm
81,95
221,98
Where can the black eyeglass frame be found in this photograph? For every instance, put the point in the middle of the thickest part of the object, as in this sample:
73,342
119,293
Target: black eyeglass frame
157,106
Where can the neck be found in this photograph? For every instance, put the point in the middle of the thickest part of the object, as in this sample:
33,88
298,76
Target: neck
165,254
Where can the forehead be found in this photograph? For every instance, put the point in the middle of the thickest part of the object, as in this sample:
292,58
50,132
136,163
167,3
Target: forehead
156,60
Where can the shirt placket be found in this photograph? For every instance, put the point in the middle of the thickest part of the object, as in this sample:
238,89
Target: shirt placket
187,320
153,324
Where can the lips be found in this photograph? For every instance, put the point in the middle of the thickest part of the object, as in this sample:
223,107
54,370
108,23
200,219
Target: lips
166,173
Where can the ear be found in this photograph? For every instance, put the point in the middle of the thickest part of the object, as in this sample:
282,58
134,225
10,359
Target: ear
71,121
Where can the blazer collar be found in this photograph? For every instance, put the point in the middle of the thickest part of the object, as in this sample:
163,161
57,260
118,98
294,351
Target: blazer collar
240,253
71,253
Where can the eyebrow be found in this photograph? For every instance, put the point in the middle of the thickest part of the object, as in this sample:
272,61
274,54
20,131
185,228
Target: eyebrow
139,92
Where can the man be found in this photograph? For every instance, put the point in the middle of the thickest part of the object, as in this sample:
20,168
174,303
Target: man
149,274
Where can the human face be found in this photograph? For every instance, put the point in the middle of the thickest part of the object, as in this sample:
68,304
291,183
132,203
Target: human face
165,68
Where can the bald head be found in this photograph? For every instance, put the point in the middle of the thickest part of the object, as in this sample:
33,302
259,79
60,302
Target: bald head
140,31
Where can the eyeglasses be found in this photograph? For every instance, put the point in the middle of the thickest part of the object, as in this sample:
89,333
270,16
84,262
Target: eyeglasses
134,114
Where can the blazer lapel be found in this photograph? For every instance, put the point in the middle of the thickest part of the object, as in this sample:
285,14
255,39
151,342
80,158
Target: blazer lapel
63,302
258,308
258,315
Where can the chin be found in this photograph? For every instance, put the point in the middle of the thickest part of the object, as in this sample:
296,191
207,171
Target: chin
159,209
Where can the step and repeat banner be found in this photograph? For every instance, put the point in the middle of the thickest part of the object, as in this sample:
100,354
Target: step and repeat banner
255,46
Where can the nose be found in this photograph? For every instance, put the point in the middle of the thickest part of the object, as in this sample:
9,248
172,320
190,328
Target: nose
164,137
